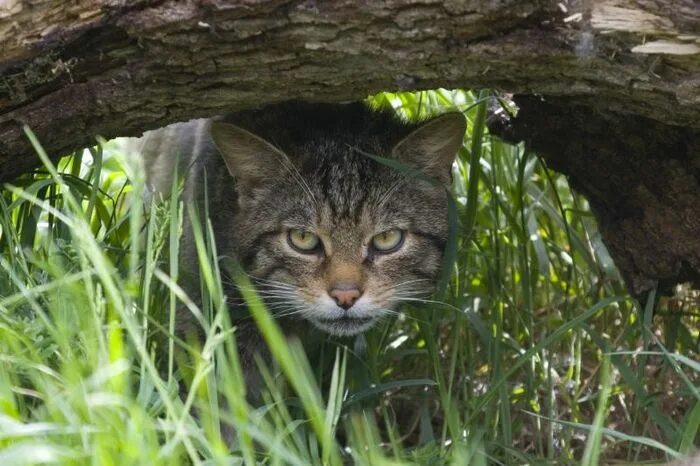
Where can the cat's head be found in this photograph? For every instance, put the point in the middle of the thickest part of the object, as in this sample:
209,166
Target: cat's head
334,236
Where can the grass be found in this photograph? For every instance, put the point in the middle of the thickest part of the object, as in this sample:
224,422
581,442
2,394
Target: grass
532,352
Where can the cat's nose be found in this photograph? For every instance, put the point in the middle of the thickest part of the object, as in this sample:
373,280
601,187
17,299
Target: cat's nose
345,294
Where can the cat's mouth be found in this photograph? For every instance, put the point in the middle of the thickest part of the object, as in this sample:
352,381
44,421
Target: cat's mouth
344,325
326,315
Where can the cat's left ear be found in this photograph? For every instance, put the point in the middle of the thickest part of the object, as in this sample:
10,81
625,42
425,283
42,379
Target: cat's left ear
250,159
432,147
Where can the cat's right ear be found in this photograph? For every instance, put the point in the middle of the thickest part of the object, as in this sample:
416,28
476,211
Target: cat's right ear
432,147
249,158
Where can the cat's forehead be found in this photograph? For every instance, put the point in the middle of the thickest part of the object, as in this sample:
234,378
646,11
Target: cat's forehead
353,192
338,187
349,208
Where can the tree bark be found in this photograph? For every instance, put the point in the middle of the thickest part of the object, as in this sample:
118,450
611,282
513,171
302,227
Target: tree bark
641,178
73,69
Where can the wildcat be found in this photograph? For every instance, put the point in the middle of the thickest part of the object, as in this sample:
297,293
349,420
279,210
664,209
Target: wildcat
332,238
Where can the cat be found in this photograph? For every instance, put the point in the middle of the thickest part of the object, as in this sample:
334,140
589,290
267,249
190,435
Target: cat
332,238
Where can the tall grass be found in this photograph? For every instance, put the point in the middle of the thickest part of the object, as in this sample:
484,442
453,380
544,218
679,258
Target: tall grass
531,352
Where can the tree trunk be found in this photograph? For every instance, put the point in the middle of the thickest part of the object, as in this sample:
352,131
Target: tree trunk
621,76
641,178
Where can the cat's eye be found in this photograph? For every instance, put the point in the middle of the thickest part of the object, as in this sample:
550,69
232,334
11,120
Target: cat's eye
388,241
303,241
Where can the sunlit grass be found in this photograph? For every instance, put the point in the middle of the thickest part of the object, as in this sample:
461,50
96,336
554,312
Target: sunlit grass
532,352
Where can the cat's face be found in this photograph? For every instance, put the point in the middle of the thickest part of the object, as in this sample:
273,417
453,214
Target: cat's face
336,237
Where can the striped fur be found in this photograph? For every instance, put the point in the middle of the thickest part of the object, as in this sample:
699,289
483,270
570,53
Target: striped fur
302,165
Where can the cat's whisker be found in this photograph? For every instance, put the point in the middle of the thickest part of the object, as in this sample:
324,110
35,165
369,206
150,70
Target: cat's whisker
415,280
411,294
412,298
260,283
385,311
270,300
426,301
262,288
407,289
283,310
393,293
281,302
267,280
268,286
274,285
409,285
276,293
289,313
292,170
289,293
286,313
397,290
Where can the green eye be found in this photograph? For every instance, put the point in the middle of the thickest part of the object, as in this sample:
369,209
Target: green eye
388,241
303,241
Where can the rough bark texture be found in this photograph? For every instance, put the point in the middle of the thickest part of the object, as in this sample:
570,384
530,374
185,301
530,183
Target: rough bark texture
622,76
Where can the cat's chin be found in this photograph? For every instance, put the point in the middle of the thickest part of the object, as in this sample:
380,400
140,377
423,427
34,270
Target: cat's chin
344,326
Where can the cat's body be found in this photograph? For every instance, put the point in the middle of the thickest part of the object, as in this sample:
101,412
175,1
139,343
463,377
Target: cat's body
332,238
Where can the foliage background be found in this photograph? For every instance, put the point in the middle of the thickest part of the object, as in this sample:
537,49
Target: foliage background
531,352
